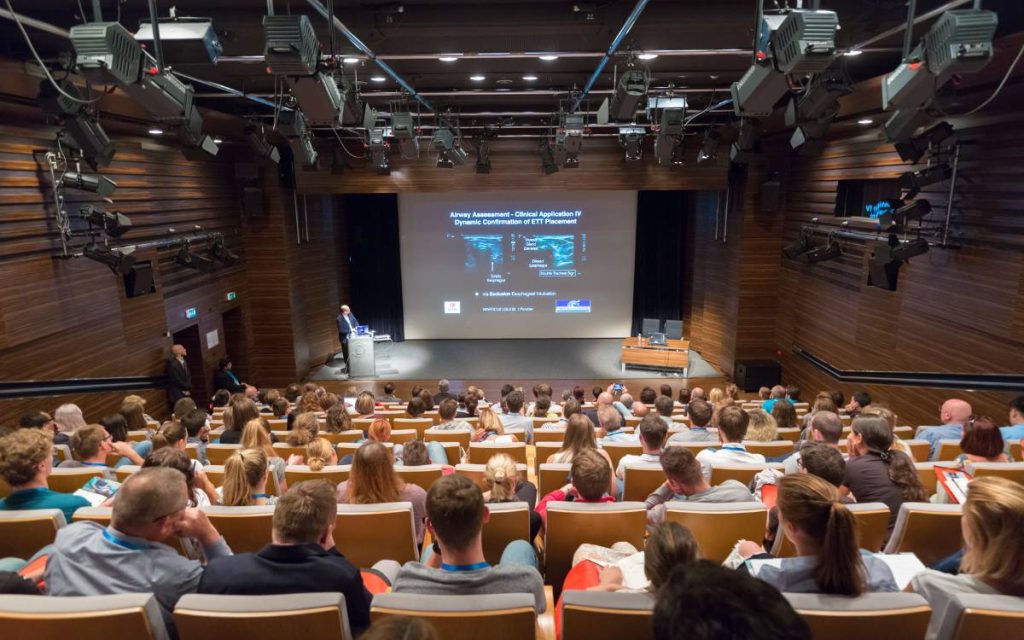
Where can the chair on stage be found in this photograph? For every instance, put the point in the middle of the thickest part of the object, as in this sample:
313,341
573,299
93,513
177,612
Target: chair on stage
674,329
650,326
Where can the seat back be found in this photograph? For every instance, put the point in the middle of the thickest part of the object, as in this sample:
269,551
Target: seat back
674,329
793,435
140,435
973,615
504,616
772,449
62,452
542,451
481,452
872,520
742,472
350,435
896,615
475,472
641,479
508,521
73,479
124,471
650,325
24,532
284,450
926,474
1009,470
616,450
423,475
219,453
401,436
448,435
245,529
570,524
694,447
930,531
919,449
717,526
335,474
949,449
419,425
311,615
124,615
538,423
552,475
595,614
548,435
366,533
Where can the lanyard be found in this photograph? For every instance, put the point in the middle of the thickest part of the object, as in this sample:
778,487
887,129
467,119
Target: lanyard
122,542
732,446
465,567
232,375
257,496
94,464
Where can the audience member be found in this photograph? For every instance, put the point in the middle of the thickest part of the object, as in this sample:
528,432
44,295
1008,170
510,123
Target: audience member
415,454
684,480
542,408
256,435
591,477
778,392
684,399
116,426
763,394
652,437
580,436
320,453
489,427
954,414
134,415
670,546
732,429
129,555
365,405
242,411
416,407
301,557
504,485
337,419
200,490
822,402
456,514
704,601
446,410
246,473
982,442
513,417
279,408
784,415
90,446
610,425
182,408
700,416
220,399
664,406
763,427
1015,431
26,461
198,429
373,480
389,396
715,396
858,402
292,392
732,391
68,419
173,434
443,392
817,459
826,427
305,429
876,473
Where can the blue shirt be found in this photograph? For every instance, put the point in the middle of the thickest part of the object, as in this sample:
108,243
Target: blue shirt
770,404
43,498
1013,432
933,435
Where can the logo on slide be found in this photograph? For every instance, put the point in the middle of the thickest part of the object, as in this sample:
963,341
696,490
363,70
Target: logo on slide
572,306
452,306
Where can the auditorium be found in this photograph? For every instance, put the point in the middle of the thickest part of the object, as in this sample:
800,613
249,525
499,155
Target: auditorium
514,319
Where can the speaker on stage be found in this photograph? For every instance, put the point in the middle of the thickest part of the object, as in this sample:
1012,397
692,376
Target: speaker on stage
751,375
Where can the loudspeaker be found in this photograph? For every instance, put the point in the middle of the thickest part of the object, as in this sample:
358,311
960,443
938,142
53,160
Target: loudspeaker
751,375
252,202
139,281
771,191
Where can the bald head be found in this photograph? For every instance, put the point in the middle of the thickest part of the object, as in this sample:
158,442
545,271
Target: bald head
605,398
178,351
955,410
146,497
640,409
697,394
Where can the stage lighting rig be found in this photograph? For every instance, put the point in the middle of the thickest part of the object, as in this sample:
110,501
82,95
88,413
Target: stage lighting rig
914,149
379,150
831,251
747,141
709,147
290,45
801,246
914,210
256,137
97,184
184,40
449,151
914,181
668,145
293,126
82,131
901,126
196,261
120,261
629,92
403,129
114,223
889,256
483,156
220,252
547,158
907,250
569,140
632,140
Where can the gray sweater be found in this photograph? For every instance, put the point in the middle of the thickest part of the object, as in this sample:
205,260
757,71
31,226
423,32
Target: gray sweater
728,491
415,577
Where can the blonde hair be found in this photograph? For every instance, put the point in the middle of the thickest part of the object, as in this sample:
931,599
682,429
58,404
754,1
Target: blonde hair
243,471
319,453
501,475
763,427
255,436
489,421
579,436
994,518
169,435
715,395
134,415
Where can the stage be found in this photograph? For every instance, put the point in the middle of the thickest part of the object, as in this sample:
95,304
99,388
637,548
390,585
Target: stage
551,359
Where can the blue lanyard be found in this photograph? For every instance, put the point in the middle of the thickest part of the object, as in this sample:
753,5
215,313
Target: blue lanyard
94,464
465,567
123,543
732,446
233,377
257,496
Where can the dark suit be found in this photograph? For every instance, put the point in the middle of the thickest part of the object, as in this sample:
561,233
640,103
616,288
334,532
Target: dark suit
223,380
178,379
444,395
282,569
345,331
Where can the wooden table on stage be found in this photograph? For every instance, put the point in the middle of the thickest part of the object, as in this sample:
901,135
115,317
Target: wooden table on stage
674,354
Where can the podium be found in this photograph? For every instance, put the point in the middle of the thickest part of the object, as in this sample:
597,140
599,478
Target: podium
361,363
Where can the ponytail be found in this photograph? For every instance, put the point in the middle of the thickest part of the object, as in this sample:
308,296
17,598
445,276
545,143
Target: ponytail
903,474
499,474
318,454
170,434
243,470
839,570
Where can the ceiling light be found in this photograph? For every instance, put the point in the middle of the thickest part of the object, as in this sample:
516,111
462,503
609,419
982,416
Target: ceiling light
378,78
451,57
647,56
218,141
529,78
156,132
853,52
477,78
865,121
548,57
713,76
350,60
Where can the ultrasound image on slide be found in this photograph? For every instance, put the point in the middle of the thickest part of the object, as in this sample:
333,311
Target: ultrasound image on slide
550,255
484,250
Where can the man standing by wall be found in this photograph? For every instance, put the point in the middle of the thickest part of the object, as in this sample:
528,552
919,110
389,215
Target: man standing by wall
179,380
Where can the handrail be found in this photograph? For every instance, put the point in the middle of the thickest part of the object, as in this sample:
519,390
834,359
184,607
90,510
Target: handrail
30,388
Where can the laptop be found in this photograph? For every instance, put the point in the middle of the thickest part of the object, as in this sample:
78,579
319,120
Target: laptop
362,330
657,339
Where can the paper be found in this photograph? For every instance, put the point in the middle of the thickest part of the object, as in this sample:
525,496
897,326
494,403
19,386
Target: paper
212,339
904,567
633,576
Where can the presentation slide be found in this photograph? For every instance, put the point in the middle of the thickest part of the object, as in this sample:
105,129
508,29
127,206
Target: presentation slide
517,265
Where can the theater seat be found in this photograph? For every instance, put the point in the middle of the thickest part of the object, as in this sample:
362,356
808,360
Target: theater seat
419,425
972,615
595,614
367,533
125,471
335,474
551,476
422,475
543,451
401,436
245,529
949,449
872,523
1009,470
448,435
772,449
505,616
73,479
642,479
62,452
351,435
475,472
24,532
741,472
508,521
930,531
481,452
125,615
718,526
793,435
926,474
548,435
322,616
570,524
218,453
616,451
871,615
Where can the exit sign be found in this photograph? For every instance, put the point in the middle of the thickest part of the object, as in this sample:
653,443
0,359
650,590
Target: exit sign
191,312
231,295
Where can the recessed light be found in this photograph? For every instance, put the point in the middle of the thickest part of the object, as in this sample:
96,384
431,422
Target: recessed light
548,57
865,121
853,52
503,81
218,141
449,57
478,78
378,78
647,56
350,60
156,132
713,76
529,78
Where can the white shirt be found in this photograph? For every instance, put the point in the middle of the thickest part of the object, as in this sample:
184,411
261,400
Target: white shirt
620,471
728,453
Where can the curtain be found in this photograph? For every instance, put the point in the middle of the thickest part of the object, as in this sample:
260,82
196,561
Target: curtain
659,285
375,262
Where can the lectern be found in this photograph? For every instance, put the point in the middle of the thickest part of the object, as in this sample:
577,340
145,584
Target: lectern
360,357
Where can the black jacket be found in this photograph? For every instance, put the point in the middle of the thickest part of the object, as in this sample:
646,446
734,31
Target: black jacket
221,380
178,379
282,569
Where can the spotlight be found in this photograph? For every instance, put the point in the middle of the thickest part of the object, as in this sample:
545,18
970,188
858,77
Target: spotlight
913,211
756,93
97,184
318,95
709,148
630,90
120,261
293,125
809,138
380,151
632,140
260,146
914,181
547,158
449,152
184,40
830,251
115,224
805,41
483,156
901,126
747,141
914,150
821,99
569,140
908,250
81,130
403,130
190,260
803,244
291,47
220,251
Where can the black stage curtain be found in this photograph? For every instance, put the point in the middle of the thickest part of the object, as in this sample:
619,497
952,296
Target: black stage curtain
659,284
375,262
